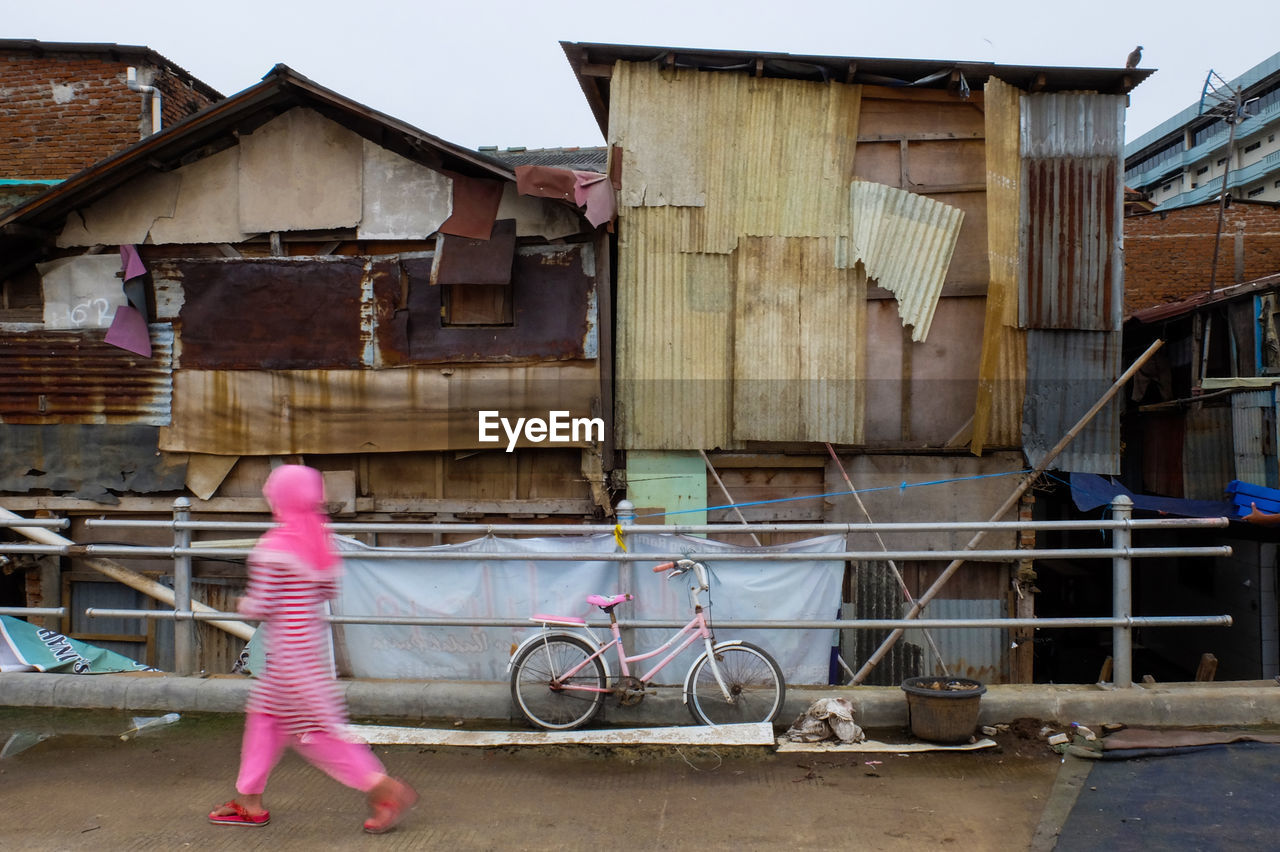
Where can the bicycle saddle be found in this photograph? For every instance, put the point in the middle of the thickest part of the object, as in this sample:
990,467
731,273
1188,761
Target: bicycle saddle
607,603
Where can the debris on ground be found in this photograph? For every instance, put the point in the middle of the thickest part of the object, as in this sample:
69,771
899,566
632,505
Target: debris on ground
826,719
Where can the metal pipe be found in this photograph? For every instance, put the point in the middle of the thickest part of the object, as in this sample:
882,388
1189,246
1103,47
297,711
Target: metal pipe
23,611
157,112
603,529
44,523
184,632
1121,596
835,624
664,555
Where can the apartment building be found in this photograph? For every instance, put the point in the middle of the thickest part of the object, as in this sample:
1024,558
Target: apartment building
1183,161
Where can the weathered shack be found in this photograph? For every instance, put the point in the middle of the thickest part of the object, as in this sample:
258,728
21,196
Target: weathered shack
906,270
288,274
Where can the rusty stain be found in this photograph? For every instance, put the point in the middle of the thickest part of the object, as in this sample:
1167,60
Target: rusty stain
76,377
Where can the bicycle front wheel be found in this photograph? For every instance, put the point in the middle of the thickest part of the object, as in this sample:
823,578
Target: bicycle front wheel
549,700
754,681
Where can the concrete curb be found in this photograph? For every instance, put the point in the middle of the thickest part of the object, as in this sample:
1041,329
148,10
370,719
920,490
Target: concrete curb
1232,703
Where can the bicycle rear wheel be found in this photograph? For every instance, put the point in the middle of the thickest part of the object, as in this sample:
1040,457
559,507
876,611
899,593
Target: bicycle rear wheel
755,684
540,694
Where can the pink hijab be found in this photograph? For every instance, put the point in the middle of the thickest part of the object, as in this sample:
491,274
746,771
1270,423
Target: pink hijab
295,493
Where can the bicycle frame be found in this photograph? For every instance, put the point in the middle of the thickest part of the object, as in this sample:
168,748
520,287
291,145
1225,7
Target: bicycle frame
694,630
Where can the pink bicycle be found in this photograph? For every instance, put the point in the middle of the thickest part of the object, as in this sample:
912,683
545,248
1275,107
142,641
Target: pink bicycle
560,677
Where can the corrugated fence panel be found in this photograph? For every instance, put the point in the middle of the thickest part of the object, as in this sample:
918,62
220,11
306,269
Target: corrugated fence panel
1072,273
800,324
675,332
905,241
1002,368
1208,457
1253,433
77,377
972,653
1067,372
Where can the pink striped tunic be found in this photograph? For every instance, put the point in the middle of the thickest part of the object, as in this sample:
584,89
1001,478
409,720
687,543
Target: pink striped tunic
297,685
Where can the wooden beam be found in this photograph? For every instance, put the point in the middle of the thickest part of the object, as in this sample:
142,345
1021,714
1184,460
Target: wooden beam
596,69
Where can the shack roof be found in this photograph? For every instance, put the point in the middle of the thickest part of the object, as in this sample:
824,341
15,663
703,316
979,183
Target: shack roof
593,65
219,126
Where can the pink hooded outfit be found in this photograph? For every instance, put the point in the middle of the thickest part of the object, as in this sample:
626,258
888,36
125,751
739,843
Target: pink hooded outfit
293,570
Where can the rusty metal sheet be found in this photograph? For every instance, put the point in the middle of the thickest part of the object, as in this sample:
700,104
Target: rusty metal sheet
1071,216
475,206
66,377
92,462
271,314
1254,436
799,375
252,412
905,241
462,260
1163,435
553,288
1067,372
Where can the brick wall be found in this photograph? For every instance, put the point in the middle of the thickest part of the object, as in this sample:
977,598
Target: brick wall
1168,256
61,112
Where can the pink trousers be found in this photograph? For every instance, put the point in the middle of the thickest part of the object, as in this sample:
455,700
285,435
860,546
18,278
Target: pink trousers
265,739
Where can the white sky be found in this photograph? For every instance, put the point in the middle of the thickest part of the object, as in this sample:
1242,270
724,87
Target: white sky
491,72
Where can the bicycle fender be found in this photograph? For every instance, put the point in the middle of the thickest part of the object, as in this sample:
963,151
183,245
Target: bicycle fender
547,634
688,676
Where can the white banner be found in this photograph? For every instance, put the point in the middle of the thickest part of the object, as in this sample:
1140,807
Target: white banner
515,584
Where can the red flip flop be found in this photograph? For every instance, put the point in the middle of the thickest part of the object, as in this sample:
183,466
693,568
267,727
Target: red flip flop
238,816
388,813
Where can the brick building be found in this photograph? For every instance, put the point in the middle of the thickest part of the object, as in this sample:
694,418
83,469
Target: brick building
1168,254
65,106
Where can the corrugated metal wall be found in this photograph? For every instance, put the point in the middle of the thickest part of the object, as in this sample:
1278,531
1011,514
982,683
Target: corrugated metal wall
1253,421
1067,372
1208,456
1002,370
1071,218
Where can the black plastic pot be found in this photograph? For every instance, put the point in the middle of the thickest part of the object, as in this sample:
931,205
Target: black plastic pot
943,709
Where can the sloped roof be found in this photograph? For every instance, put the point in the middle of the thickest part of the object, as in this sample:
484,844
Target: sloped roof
593,65
218,127
582,159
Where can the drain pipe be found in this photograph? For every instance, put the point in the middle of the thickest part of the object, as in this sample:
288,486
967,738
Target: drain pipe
131,78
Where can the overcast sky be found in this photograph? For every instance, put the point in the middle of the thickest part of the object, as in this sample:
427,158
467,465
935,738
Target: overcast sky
493,72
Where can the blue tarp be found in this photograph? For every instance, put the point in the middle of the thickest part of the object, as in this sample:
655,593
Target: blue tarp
1089,491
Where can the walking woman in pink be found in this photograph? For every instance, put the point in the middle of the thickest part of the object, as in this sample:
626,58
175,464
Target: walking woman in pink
296,701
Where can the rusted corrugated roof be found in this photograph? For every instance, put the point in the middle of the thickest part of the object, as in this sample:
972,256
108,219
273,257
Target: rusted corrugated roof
76,377
1067,372
594,63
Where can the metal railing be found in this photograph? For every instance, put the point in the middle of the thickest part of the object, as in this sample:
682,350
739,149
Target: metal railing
1121,553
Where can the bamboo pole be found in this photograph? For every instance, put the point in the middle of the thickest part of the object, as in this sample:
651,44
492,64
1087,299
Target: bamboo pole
121,574
1009,503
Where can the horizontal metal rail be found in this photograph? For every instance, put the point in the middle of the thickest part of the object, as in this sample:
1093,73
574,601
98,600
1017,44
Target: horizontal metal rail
836,624
44,523
24,611
653,556
679,529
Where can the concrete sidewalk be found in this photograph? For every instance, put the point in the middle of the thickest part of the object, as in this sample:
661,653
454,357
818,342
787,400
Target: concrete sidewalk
1219,704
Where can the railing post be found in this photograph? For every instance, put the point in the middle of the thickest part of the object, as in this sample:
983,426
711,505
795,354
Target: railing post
1121,594
626,515
184,630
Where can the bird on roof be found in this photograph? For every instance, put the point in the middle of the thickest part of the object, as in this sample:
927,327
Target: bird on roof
1134,58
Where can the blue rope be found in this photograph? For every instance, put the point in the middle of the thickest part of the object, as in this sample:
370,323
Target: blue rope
901,487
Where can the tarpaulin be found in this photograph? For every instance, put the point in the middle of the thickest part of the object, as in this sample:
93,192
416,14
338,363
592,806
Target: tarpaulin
515,583
27,648
1089,491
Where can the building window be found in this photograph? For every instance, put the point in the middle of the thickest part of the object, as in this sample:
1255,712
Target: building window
1253,146
477,304
1254,193
1202,170
1222,160
1194,184
1166,187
